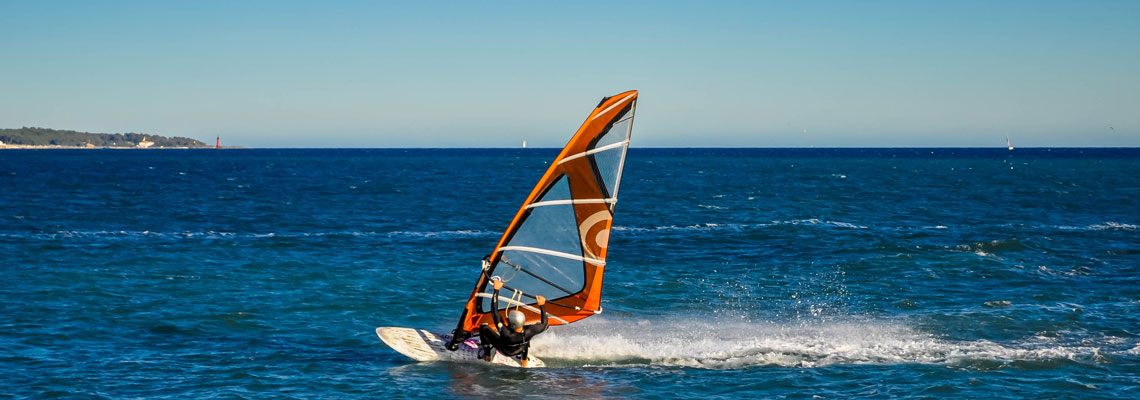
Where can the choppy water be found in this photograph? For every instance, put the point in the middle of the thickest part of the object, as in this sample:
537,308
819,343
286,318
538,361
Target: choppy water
942,273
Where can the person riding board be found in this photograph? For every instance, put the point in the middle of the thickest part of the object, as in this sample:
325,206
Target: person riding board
513,339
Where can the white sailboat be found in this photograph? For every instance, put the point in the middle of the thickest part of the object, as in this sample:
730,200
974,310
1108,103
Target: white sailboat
1007,144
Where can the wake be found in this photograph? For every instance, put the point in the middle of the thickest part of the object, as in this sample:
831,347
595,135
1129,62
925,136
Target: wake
601,342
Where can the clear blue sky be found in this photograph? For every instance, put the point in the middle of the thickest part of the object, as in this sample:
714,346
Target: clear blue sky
474,74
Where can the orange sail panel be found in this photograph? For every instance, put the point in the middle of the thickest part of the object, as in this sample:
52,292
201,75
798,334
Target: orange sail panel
556,245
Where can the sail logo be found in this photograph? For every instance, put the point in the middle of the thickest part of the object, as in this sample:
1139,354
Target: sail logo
595,232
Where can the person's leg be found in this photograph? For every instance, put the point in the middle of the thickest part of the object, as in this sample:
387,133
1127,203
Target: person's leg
487,339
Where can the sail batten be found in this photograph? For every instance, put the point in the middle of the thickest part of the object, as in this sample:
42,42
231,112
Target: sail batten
572,201
615,104
554,253
600,149
559,237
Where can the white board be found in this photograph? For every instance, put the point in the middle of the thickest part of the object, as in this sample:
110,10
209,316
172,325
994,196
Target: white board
421,345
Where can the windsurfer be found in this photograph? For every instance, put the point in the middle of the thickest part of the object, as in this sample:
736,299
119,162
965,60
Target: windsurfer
513,339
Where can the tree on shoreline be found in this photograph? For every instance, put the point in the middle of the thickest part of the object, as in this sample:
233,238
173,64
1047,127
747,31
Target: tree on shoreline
33,136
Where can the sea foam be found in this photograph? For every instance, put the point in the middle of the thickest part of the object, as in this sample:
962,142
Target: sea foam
726,345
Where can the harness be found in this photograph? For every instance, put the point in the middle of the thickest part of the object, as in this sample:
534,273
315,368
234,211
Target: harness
516,348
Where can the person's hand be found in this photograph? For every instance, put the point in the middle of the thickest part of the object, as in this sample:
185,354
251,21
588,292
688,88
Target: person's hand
498,284
539,300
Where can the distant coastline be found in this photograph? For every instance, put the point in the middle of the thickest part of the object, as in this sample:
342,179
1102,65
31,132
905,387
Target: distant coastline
44,138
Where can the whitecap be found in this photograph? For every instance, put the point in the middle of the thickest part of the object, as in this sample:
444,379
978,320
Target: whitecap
1113,225
1099,227
815,221
440,234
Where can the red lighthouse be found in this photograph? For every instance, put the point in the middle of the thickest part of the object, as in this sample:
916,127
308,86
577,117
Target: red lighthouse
218,145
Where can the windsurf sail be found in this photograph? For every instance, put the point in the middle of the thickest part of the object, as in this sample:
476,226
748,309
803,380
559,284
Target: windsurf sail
556,244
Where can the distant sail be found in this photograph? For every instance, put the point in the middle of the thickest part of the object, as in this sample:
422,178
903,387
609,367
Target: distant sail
524,144
1007,144
556,245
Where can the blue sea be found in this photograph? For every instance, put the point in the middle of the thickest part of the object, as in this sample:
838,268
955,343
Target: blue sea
732,273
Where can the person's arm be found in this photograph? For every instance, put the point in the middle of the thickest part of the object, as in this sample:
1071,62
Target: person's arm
542,325
542,307
498,284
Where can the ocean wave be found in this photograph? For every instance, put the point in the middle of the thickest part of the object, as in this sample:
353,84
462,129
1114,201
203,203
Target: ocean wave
981,248
144,234
739,227
442,234
135,235
711,207
850,225
814,221
987,249
1106,226
737,345
694,227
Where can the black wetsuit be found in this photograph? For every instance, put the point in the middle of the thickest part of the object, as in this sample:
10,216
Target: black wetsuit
509,342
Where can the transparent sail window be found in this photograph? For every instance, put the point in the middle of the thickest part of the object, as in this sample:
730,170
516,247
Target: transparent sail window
536,274
559,190
618,132
552,227
608,163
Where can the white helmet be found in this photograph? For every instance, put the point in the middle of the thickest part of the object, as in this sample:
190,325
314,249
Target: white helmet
516,319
